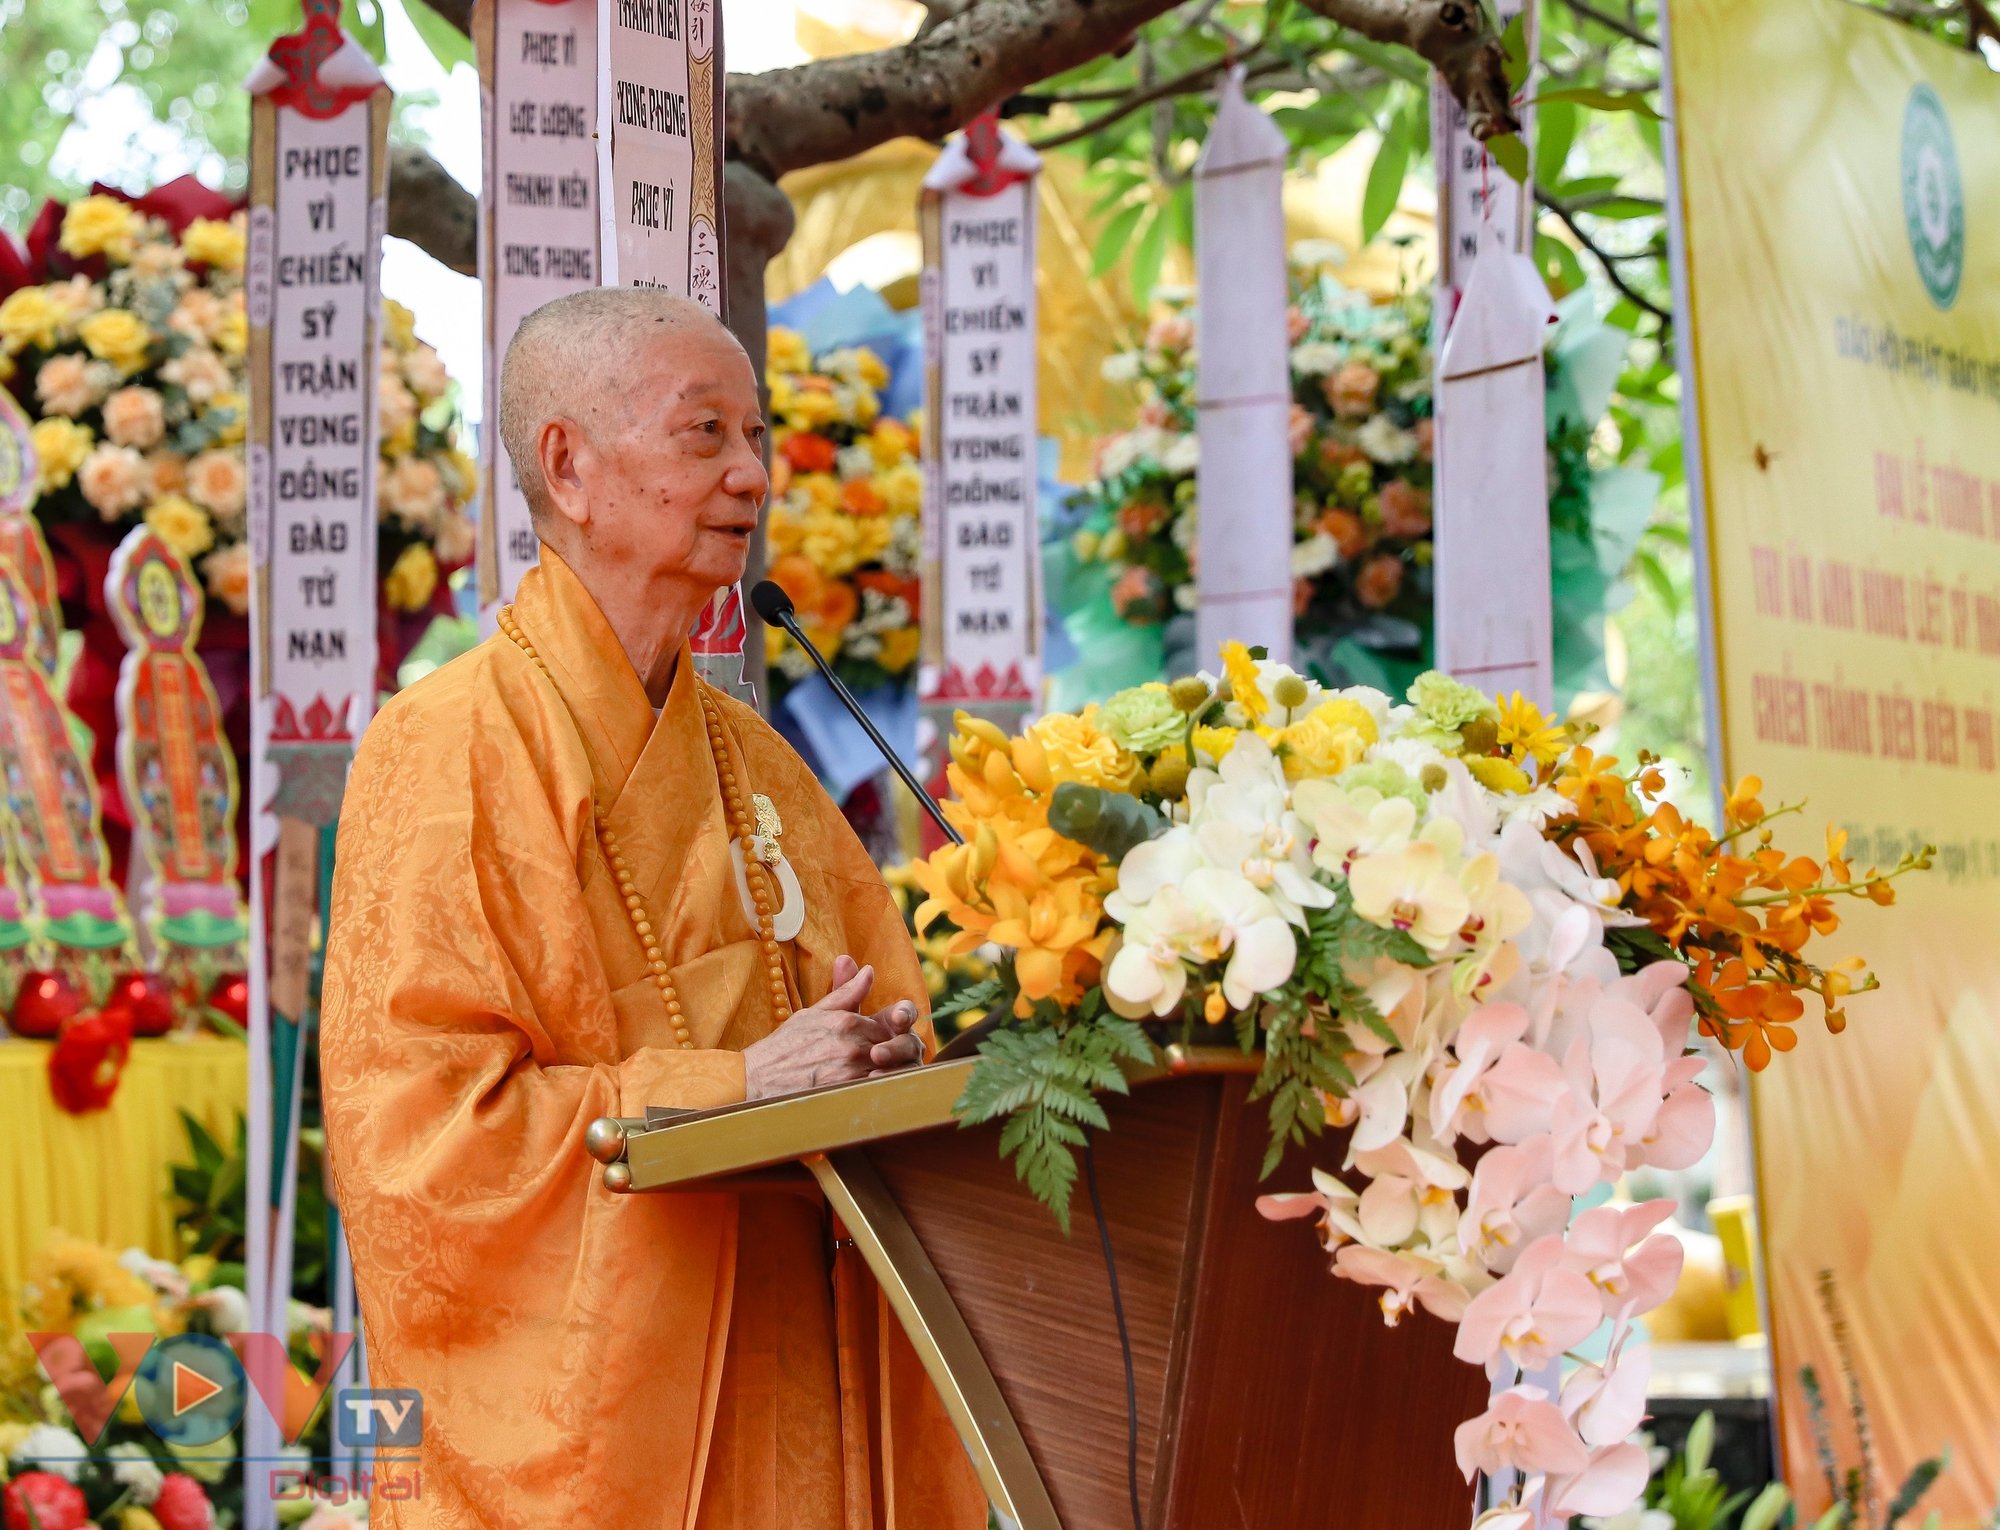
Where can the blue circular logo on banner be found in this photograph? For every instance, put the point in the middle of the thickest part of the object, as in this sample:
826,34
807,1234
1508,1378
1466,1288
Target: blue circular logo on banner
1933,198
191,1389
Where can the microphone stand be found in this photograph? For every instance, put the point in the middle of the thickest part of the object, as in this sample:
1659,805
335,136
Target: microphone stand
790,622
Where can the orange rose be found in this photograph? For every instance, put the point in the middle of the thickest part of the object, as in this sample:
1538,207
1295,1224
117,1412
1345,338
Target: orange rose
1379,582
809,453
1406,510
1352,390
1141,518
1348,534
858,497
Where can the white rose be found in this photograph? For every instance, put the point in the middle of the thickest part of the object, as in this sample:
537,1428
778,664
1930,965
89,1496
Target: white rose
1184,456
1314,358
1120,367
1385,441
51,1449
1314,556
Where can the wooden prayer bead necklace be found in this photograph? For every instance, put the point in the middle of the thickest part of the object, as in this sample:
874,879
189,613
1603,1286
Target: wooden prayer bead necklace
763,894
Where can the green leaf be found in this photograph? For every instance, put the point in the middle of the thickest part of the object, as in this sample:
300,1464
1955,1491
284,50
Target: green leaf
367,25
1766,1507
981,995
1832,1519
1700,1442
1395,62
1555,131
1510,154
1601,100
1514,52
1918,1483
1649,570
1111,823
275,18
1152,253
1559,266
449,46
1623,208
207,1153
1385,180
1117,234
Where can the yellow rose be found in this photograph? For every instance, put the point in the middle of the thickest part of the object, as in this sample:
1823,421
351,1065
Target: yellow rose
812,408
60,447
232,330
412,580
229,430
902,489
823,488
183,525
401,324
100,226
119,337
872,536
900,649
892,442
209,242
1334,736
1067,747
30,317
787,351
829,540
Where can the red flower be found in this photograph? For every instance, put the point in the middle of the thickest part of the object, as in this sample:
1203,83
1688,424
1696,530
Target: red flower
145,1000
43,1501
182,1505
87,1061
231,995
45,1001
809,453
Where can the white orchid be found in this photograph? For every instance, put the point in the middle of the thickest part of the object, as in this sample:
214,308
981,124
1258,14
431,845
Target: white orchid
1180,910
1243,820
1351,824
1416,891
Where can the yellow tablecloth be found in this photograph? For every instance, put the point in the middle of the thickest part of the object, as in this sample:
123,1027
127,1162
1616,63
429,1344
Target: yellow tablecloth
104,1176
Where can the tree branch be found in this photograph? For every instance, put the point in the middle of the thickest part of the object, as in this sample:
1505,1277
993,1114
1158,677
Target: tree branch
1612,23
1180,84
1603,257
1453,38
431,210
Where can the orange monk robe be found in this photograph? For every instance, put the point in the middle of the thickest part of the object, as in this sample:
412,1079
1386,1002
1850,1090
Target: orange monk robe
698,1362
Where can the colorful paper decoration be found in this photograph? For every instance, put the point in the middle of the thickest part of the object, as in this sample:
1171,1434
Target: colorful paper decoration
52,807
175,769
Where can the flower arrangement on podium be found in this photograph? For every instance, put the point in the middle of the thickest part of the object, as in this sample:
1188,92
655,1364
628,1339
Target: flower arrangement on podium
131,353
1454,930
1361,434
843,537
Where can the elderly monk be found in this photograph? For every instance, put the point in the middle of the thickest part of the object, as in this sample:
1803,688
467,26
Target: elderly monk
542,914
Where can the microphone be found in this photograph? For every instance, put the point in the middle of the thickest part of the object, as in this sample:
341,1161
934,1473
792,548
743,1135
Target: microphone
775,606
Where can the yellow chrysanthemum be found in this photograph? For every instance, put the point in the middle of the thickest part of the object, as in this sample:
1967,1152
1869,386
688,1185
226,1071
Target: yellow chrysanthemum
1498,775
810,409
1241,671
118,336
1214,743
1526,734
787,351
823,488
413,579
69,1277
211,242
31,317
100,226
182,524
60,447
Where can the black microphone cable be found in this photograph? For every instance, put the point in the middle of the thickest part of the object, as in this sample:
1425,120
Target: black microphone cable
1124,1334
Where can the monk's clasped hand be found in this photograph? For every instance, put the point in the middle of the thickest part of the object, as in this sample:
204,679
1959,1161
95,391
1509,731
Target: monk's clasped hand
834,1041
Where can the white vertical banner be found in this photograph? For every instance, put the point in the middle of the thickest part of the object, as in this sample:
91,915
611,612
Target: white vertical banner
981,594
538,225
1244,382
1480,206
1493,625
659,103
318,182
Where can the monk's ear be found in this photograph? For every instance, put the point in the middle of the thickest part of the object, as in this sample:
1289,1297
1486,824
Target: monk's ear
559,447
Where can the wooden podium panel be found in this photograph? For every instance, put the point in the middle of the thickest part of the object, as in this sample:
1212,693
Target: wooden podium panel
1273,1392
1271,1395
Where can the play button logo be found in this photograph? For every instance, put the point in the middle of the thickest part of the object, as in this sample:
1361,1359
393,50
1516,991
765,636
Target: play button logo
191,1389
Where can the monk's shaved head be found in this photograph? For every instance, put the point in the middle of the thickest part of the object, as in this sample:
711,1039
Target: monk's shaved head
572,359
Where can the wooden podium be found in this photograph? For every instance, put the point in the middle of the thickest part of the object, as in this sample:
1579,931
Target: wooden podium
1270,1394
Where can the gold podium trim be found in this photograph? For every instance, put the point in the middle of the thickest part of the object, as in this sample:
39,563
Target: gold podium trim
939,1334
764,1132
